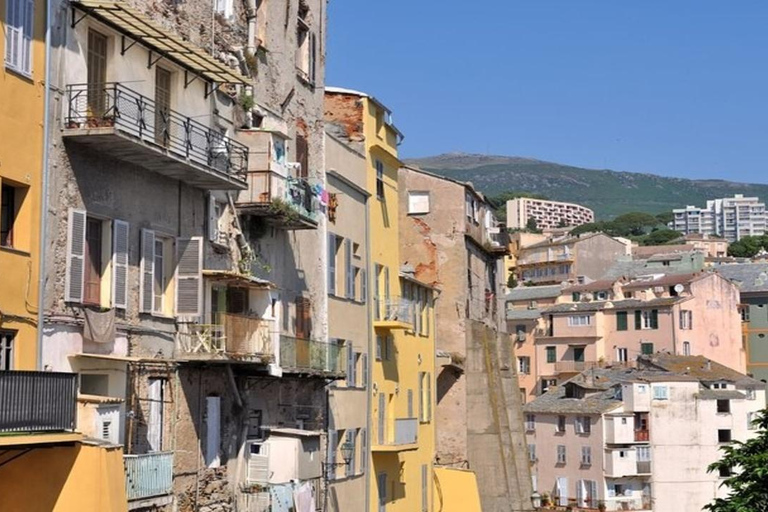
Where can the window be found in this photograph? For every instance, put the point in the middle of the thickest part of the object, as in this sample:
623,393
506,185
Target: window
744,311
418,203
530,422
551,354
603,295
561,454
751,418
621,321
160,271
225,8
586,456
578,354
212,431
622,355
579,320
646,319
686,319
725,472
379,180
352,439
750,393
576,296
724,406
306,49
532,452
524,365
660,393
583,425
547,383
10,207
19,23
724,436
383,347
643,453
6,350
686,348
561,424
646,348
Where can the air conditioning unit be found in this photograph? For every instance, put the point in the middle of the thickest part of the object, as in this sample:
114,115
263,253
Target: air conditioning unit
257,462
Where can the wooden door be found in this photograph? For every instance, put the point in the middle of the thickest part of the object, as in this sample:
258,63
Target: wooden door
97,75
92,277
162,106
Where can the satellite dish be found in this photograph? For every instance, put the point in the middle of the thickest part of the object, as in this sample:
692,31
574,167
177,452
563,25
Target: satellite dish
679,288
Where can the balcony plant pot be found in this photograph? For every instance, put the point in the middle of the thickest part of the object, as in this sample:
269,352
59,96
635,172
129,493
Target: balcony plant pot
71,125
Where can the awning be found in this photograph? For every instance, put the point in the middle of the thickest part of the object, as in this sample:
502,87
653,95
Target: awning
109,357
293,432
139,27
230,276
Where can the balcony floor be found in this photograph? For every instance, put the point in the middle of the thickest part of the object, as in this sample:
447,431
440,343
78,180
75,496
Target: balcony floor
128,148
394,448
277,219
23,439
391,324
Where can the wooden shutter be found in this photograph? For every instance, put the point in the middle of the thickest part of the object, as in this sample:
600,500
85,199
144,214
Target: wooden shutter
120,240
352,438
621,321
422,404
363,450
147,270
382,417
155,424
424,488
189,278
302,155
13,34
429,396
638,319
75,256
303,318
655,319
410,403
364,365
350,365
363,286
312,58
349,274
331,264
213,220
331,455
213,431
26,43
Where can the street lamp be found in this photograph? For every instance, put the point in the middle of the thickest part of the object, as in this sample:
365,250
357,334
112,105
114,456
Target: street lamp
347,451
536,500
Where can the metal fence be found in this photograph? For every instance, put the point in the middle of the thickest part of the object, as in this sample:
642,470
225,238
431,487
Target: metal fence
393,309
115,105
303,354
148,475
37,401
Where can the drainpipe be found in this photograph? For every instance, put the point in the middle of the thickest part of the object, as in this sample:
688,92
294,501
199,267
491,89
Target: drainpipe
44,190
371,351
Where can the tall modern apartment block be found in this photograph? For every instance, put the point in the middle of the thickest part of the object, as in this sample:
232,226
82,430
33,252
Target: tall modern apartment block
548,214
732,218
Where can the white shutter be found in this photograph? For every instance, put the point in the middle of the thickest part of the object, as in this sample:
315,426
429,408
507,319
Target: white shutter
75,256
213,431
213,220
364,365
258,464
593,497
429,396
120,237
189,276
363,450
26,42
349,274
12,34
147,270
331,264
155,424
350,365
580,493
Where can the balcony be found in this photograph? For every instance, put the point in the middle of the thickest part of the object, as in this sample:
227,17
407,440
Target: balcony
643,467
117,121
403,435
392,313
574,366
311,357
642,436
637,502
36,403
229,337
149,475
282,200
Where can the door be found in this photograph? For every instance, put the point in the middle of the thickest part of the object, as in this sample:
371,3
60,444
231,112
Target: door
213,431
92,277
155,424
97,75
578,354
162,106
382,489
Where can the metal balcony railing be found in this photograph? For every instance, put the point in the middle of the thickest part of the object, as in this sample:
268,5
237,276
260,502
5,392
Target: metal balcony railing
298,354
229,335
115,105
643,467
279,195
37,401
393,309
148,475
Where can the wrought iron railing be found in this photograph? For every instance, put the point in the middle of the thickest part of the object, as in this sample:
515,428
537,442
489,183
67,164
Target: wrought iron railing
115,105
228,334
393,309
148,475
37,401
302,354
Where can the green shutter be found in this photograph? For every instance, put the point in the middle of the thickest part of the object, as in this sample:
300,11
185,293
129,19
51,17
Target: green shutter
646,348
638,319
654,319
621,321
551,354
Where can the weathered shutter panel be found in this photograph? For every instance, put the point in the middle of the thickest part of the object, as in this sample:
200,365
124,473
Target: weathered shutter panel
13,34
75,256
312,58
350,365
331,455
379,341
429,396
363,450
213,431
621,321
147,270
424,488
331,264
382,417
348,270
655,319
638,319
213,220
364,365
302,155
26,43
410,403
422,405
189,278
120,239
363,286
155,424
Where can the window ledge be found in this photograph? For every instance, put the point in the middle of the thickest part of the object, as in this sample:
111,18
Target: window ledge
19,73
13,250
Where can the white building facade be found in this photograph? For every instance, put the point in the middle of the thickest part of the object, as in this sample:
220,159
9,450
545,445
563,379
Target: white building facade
731,218
548,214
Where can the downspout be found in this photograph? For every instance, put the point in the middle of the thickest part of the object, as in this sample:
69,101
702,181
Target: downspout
44,190
369,316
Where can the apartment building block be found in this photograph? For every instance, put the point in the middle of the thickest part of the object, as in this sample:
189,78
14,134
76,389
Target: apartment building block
448,230
547,214
640,439
730,218
557,260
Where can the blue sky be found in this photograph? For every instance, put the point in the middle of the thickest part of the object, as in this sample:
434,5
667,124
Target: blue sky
678,88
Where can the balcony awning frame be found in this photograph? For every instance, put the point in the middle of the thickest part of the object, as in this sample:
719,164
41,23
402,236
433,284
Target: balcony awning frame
139,28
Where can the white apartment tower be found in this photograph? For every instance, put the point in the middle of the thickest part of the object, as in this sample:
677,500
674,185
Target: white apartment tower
731,218
548,214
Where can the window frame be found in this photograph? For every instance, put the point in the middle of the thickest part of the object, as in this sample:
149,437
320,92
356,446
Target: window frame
380,191
7,354
419,194
19,25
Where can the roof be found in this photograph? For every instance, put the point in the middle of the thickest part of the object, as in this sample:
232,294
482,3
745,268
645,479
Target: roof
230,275
535,292
465,184
698,367
749,277
594,286
720,394
652,250
665,280
568,240
523,314
577,307
143,29
353,92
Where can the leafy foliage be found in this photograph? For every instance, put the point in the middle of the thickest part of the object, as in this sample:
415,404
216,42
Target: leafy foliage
532,226
749,482
748,246
660,237
630,224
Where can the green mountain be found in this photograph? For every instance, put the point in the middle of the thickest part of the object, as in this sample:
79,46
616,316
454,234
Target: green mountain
608,193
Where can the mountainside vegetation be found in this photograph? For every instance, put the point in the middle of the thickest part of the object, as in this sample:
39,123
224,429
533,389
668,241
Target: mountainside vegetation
608,193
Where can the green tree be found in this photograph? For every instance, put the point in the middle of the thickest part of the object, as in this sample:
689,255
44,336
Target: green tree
748,246
532,226
591,227
633,224
665,217
660,237
749,483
